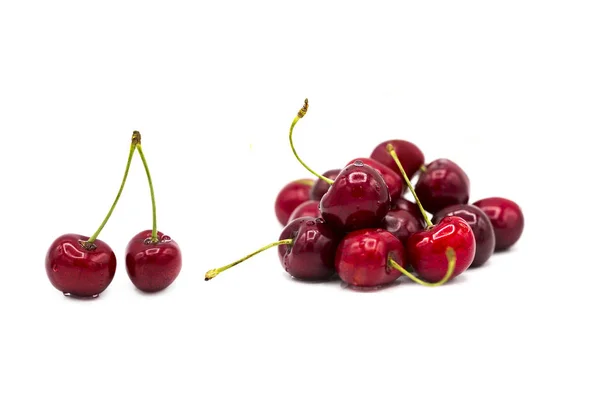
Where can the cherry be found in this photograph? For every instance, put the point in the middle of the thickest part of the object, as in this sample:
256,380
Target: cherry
480,225
392,179
403,204
507,219
442,184
401,224
291,196
306,250
374,257
309,208
410,156
358,198
427,250
321,187
83,266
153,259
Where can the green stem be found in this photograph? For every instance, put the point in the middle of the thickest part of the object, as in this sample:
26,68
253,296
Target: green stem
392,152
450,255
301,114
214,272
90,242
154,230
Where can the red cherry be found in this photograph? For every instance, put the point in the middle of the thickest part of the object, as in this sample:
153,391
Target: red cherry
443,184
152,266
82,266
321,187
357,199
79,269
362,258
507,219
392,179
401,224
480,225
410,156
306,250
291,196
407,205
427,249
309,208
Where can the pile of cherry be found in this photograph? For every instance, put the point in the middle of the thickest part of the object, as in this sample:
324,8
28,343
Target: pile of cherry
355,222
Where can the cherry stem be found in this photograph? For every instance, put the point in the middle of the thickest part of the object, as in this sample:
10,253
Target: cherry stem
423,168
301,114
392,152
450,255
214,272
134,141
154,230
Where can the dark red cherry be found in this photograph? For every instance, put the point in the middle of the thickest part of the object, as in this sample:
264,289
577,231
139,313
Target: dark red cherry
309,208
507,219
480,225
410,156
393,181
78,270
362,258
357,199
321,187
403,204
291,196
311,255
401,224
442,185
152,266
427,249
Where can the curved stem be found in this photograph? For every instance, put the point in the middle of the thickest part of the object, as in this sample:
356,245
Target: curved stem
392,152
450,255
214,272
301,114
154,230
89,243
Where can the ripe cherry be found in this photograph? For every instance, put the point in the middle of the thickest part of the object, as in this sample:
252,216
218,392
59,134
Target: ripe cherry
507,219
392,180
82,266
309,208
291,196
370,258
427,250
442,184
153,259
480,225
321,187
408,206
410,156
401,224
358,198
306,250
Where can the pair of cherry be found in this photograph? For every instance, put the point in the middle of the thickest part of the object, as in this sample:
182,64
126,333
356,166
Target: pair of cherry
360,227
83,267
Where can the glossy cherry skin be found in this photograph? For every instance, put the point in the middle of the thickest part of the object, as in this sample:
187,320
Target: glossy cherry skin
403,204
401,224
291,196
410,156
321,187
357,199
309,208
362,258
427,249
393,181
443,184
480,225
311,256
152,266
507,219
79,272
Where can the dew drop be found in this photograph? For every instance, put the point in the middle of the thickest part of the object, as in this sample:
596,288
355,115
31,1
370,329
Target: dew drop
359,163
55,268
94,296
67,294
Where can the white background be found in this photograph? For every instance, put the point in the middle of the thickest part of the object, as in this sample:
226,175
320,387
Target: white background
509,90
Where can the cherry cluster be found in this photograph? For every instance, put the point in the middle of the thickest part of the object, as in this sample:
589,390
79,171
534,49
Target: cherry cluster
356,224
83,267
